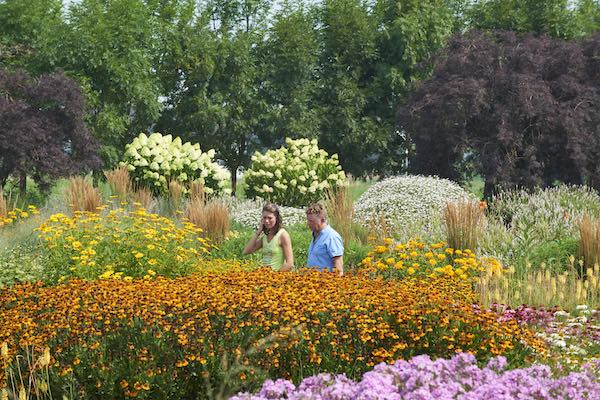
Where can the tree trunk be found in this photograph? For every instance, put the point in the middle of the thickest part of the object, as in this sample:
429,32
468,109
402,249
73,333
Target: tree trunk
233,171
22,183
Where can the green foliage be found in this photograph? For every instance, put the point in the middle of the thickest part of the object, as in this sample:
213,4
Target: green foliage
295,175
288,63
557,18
21,263
110,48
30,34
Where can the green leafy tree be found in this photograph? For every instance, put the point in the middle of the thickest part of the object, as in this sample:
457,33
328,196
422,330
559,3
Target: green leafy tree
109,49
30,33
288,62
587,17
347,36
370,58
543,17
219,104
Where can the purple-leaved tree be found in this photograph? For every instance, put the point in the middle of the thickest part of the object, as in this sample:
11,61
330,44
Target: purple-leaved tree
519,111
42,129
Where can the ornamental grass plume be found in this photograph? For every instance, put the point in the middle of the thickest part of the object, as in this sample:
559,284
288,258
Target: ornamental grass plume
589,243
197,191
143,196
340,211
119,182
212,217
464,222
175,194
81,195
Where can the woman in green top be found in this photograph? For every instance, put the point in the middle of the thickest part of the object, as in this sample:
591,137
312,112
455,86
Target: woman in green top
273,239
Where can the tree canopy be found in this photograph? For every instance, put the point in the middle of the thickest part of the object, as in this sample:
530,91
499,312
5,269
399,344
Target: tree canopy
42,128
517,110
242,75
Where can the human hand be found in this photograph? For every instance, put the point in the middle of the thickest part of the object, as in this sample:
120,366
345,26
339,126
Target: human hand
260,229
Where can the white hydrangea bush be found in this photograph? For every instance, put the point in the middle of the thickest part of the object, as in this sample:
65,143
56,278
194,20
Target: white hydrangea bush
248,213
407,200
294,175
156,159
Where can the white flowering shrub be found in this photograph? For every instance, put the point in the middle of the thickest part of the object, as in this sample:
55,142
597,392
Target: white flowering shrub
154,160
294,175
405,200
248,213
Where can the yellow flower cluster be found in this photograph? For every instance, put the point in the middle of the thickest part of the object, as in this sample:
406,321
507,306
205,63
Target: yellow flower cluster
120,244
18,214
416,258
289,325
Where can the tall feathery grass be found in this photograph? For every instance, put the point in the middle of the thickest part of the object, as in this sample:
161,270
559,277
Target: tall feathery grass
589,243
212,217
119,182
464,222
175,195
81,195
143,197
541,287
340,211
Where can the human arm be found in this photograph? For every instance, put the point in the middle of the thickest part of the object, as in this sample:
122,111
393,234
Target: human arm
335,248
255,241
288,255
338,265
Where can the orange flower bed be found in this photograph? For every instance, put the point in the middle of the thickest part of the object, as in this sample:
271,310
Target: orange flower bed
113,335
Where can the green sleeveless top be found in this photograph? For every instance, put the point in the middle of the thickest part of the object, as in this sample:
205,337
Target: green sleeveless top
273,252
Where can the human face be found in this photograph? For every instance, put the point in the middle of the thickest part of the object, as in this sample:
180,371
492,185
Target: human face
268,220
314,222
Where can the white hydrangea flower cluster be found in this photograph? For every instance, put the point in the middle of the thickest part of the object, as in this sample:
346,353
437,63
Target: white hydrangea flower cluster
154,160
402,200
294,175
248,213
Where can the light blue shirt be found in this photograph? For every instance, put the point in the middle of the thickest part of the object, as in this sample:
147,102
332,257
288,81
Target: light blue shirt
326,245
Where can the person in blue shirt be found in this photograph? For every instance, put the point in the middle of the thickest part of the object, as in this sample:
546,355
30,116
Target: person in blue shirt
326,250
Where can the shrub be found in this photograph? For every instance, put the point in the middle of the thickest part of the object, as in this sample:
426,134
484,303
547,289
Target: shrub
153,161
402,200
295,175
119,244
172,336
